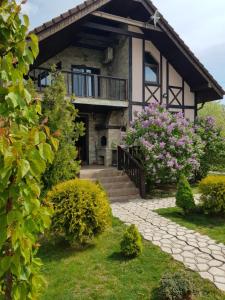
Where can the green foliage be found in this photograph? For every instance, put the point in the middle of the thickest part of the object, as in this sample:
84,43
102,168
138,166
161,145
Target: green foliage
214,146
24,153
82,210
215,110
184,195
213,194
131,244
176,286
61,116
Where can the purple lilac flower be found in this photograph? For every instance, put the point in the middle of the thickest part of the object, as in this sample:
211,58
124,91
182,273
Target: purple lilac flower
162,145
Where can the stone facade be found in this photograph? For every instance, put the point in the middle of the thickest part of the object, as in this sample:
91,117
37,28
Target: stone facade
104,126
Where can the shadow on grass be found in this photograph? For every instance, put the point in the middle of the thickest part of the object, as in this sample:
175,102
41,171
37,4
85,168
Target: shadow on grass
60,249
117,256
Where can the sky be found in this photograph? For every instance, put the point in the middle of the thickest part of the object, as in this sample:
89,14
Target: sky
200,23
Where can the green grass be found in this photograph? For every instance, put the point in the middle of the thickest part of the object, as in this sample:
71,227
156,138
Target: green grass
99,272
212,226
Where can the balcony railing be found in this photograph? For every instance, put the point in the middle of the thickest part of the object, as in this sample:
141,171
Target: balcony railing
84,85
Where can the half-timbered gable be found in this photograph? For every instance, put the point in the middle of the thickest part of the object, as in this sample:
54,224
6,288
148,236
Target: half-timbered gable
116,60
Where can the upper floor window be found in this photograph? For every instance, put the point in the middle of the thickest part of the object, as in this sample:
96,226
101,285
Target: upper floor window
151,69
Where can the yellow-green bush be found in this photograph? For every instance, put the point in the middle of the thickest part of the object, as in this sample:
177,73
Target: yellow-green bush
131,244
213,194
81,210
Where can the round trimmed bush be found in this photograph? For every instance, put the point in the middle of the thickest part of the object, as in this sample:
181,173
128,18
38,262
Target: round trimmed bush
212,189
131,244
81,210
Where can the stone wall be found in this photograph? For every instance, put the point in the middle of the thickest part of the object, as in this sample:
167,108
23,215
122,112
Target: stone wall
99,154
94,59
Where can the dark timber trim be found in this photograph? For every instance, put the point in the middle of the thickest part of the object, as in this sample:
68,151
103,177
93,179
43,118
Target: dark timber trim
161,78
112,29
183,96
167,83
130,83
143,72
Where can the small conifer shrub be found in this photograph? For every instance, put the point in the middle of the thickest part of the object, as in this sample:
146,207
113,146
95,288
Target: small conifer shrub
184,195
131,244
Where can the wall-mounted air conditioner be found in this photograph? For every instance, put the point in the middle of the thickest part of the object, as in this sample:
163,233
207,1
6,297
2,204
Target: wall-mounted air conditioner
108,55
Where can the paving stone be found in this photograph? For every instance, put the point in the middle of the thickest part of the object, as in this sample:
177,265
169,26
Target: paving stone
202,267
196,251
215,271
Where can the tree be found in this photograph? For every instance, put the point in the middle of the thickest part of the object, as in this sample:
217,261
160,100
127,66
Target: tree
213,157
61,115
24,152
215,110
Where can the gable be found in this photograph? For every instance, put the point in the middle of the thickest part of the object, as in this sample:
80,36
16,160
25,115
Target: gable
62,30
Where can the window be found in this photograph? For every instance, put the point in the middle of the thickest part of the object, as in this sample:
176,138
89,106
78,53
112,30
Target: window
83,81
151,69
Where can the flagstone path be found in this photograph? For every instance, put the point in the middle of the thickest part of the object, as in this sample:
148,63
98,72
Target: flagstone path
197,252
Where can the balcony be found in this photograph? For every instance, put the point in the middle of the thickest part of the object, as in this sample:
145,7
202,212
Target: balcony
86,86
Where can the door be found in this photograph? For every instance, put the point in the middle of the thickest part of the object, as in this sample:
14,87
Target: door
83,81
82,143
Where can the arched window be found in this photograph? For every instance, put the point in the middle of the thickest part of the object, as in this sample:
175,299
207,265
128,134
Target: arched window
151,69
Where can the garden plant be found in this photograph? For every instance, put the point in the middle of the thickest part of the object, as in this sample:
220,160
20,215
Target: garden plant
62,119
81,210
131,244
168,144
26,147
184,195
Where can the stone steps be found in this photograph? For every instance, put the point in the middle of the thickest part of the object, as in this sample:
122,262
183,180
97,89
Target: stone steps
117,184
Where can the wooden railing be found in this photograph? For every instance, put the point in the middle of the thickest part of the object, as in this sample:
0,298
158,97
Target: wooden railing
133,169
84,85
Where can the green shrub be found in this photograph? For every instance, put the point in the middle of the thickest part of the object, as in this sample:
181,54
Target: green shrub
212,189
81,210
184,195
176,286
131,244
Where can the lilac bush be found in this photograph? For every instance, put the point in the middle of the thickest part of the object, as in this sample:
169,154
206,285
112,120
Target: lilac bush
167,143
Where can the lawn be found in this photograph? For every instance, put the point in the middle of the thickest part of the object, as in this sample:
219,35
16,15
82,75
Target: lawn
99,272
212,226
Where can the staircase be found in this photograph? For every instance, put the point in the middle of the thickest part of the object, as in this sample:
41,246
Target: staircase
117,184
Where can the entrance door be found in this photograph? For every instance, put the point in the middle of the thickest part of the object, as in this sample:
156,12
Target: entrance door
82,143
84,81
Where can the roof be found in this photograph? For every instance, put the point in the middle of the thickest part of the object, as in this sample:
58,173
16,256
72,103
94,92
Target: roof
84,9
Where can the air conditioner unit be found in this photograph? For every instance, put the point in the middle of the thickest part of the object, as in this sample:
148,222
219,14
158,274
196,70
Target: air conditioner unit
108,55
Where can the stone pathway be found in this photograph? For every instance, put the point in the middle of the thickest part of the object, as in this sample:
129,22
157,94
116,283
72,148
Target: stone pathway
197,252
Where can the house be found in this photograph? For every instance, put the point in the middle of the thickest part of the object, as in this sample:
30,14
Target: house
116,57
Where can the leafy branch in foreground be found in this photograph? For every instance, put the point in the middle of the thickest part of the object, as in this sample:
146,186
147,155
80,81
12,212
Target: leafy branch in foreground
26,147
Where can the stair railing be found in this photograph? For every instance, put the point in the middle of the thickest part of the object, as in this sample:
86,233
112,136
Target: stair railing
133,169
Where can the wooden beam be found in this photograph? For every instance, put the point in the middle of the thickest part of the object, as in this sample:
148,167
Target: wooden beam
199,88
112,29
127,21
95,37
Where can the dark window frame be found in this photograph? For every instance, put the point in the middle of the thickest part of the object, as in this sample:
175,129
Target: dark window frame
152,65
97,71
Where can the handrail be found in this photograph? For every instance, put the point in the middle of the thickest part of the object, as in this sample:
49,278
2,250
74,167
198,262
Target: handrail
133,169
84,84
80,73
